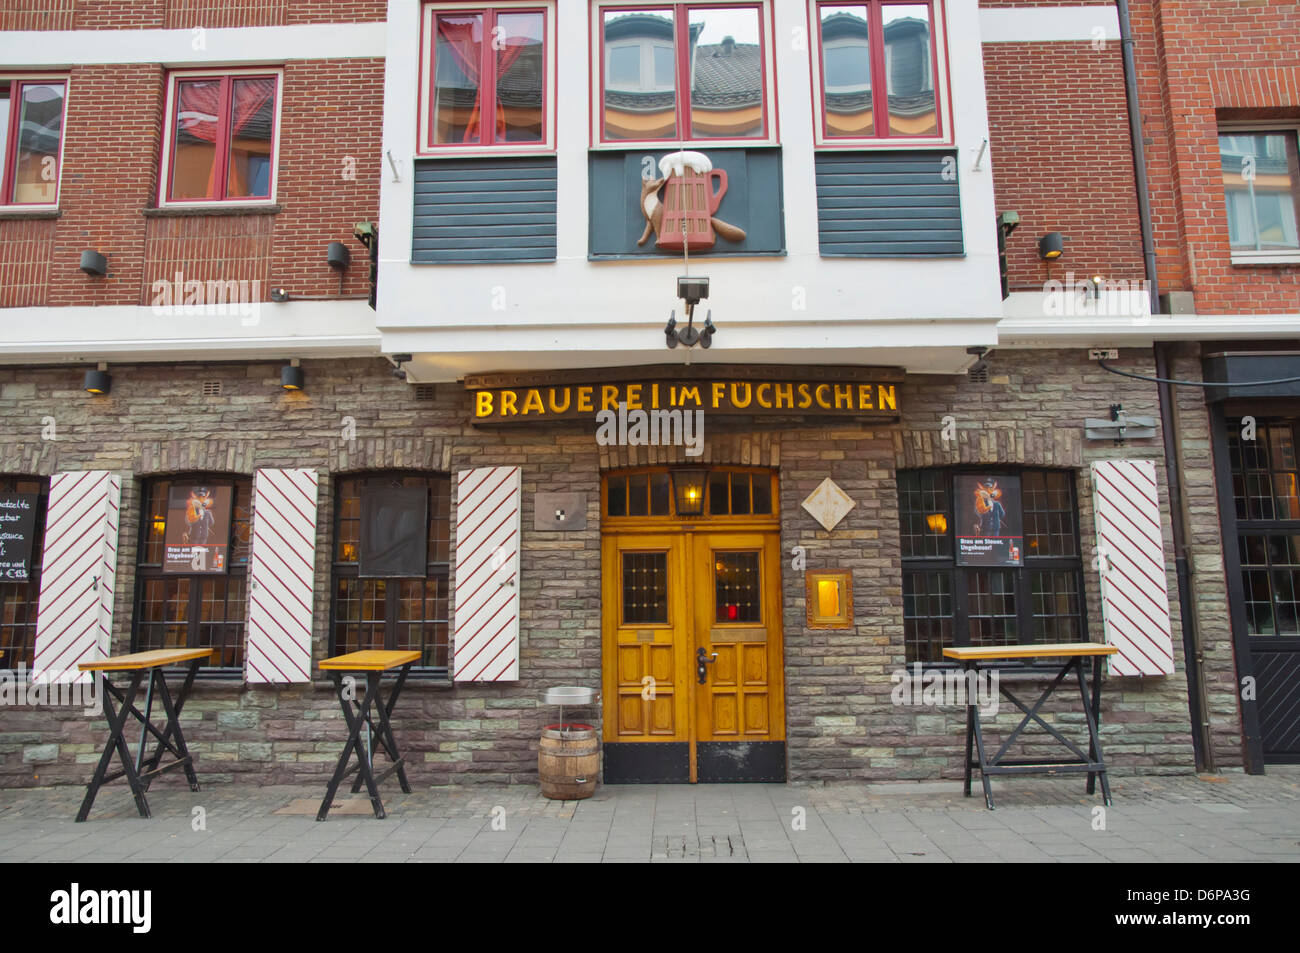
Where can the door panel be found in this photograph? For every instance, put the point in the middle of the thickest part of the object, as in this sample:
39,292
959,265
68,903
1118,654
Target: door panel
646,692
737,612
666,596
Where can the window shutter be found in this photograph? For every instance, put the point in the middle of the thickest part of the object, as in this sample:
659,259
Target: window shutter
281,577
74,619
487,575
1134,592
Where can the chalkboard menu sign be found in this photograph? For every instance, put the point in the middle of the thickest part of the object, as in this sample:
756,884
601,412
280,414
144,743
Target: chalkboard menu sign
394,532
17,531
989,527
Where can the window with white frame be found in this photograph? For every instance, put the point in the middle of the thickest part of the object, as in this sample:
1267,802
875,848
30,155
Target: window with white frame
1261,189
220,140
487,78
880,73
32,112
696,73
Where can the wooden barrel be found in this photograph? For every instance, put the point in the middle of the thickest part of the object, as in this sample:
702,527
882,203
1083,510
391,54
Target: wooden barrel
568,761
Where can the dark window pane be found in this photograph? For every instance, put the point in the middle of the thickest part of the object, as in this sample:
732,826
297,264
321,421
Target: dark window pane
762,484
1056,609
991,607
719,501
738,590
924,513
659,494
617,496
927,615
645,588
638,495
740,494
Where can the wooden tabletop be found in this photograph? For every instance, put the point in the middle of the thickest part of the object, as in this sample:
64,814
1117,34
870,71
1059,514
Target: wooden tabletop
971,653
370,660
155,659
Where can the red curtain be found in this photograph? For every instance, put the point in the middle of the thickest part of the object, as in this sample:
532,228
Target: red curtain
458,37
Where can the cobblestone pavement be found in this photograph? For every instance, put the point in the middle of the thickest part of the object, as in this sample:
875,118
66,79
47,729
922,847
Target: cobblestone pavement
1180,818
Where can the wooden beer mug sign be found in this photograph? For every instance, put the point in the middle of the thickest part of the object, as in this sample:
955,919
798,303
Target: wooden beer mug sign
683,217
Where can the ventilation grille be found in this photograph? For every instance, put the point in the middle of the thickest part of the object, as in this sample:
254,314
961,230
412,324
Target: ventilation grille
424,392
212,388
980,376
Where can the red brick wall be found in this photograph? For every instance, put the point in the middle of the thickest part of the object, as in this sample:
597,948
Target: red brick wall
1062,158
181,14
1198,64
330,125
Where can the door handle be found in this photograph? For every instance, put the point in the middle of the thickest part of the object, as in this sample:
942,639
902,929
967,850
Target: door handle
702,659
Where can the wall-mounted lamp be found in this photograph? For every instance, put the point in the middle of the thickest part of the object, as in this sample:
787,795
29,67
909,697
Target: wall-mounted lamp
338,256
98,382
279,294
93,263
688,489
1097,281
692,291
1051,246
291,376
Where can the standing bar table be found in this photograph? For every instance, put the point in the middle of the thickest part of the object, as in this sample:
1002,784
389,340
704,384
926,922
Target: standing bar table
1073,658
138,771
373,713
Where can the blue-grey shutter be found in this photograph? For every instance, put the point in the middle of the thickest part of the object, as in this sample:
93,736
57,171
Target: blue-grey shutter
484,210
888,204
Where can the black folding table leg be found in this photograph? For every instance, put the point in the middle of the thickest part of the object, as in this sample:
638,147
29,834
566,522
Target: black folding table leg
386,728
174,725
366,761
354,723
970,732
116,742
979,746
1092,712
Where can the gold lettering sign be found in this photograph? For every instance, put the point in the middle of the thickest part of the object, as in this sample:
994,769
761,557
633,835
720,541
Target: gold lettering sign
849,396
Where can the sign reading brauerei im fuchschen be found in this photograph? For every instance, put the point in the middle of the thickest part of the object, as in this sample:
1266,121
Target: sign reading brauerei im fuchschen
499,398
17,531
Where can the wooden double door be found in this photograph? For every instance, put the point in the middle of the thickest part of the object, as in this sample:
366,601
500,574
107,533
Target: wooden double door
692,655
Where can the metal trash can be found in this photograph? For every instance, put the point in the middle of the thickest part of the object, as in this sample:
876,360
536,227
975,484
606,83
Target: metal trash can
568,757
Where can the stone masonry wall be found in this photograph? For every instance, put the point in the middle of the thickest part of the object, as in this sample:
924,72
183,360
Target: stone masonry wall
841,723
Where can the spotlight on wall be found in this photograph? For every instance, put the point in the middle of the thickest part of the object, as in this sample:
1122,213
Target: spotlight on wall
93,263
338,256
98,382
279,294
1097,281
1050,246
291,376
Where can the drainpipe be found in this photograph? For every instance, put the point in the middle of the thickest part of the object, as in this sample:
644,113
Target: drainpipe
1192,654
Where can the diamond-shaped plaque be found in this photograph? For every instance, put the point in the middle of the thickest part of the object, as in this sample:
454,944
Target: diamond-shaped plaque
828,504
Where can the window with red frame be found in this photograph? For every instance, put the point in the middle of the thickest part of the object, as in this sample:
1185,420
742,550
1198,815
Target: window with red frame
31,138
487,83
650,54
879,70
221,135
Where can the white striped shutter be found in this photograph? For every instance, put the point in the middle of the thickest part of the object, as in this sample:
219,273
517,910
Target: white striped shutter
1134,592
487,575
281,577
74,619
